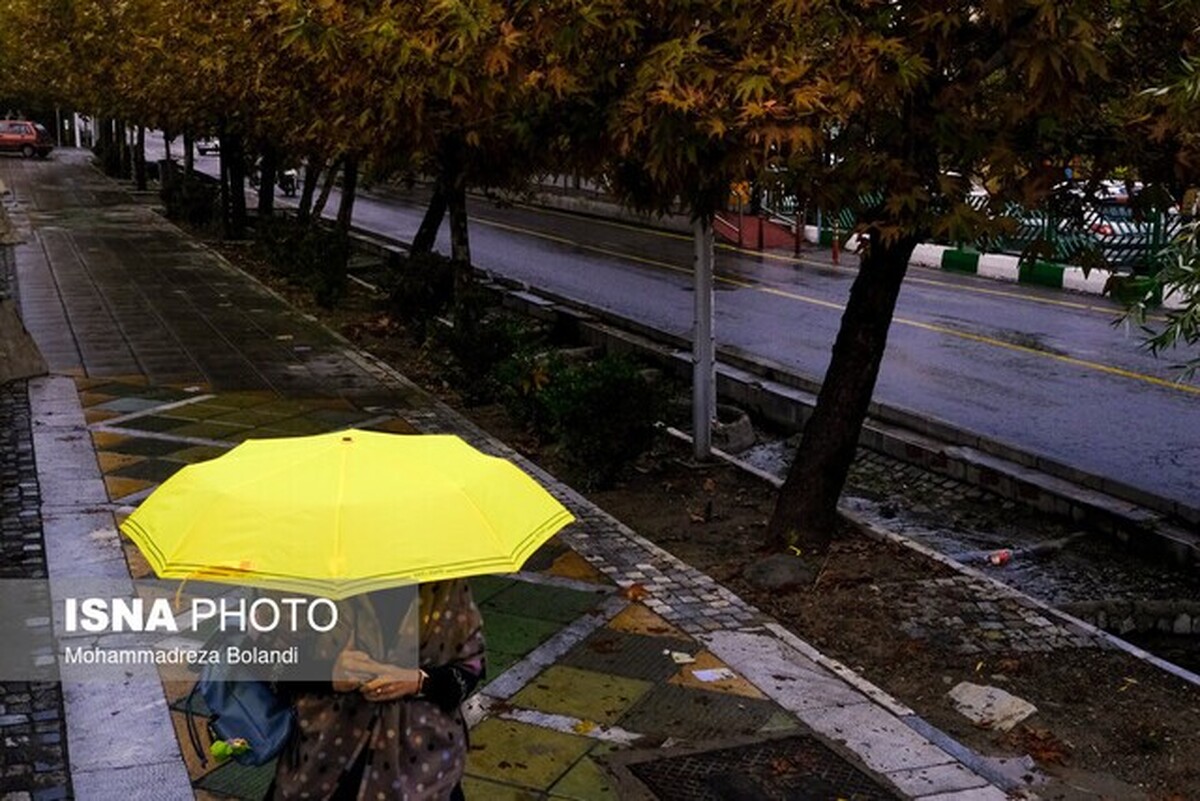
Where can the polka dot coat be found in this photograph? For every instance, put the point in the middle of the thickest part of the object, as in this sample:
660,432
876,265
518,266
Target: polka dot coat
414,750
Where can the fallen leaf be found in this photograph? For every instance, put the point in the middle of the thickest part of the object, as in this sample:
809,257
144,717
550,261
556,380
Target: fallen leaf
635,592
583,727
605,645
1041,744
782,765
710,485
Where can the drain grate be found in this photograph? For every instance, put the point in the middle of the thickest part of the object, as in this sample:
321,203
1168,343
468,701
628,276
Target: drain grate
795,768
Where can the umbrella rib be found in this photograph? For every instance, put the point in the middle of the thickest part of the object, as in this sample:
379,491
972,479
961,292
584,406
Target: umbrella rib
348,442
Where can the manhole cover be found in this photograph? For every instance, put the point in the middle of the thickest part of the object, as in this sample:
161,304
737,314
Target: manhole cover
792,768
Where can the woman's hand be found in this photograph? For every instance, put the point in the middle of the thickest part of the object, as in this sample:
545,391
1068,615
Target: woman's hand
392,683
352,669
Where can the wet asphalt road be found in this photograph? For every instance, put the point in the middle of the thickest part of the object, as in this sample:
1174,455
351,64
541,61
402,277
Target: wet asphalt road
1043,371
1056,380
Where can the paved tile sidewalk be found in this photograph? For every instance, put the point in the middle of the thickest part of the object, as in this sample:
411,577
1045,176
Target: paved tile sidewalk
176,357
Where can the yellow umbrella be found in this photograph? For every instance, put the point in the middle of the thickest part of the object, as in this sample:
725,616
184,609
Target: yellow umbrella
344,513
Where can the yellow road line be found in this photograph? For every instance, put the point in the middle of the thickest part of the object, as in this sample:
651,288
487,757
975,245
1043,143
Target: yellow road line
827,304
1103,368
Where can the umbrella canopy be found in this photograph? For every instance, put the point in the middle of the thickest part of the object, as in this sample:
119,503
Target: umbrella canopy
343,513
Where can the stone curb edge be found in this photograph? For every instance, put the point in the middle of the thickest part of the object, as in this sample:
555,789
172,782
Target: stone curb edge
1004,267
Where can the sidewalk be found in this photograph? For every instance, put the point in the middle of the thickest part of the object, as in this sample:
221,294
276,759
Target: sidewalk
610,661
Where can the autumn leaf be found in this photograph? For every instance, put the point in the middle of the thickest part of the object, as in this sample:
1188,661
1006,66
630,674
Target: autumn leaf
1041,744
634,592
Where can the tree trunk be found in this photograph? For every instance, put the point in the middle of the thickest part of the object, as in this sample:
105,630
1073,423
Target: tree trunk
266,182
233,184
223,158
806,508
465,312
102,135
139,159
312,173
426,236
345,215
326,188
126,161
108,147
189,154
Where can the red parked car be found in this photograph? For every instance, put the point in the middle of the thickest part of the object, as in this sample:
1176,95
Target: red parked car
27,138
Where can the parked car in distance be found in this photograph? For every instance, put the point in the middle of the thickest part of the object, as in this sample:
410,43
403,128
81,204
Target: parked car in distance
206,146
27,138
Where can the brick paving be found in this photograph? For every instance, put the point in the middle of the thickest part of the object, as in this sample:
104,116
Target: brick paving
33,759
978,616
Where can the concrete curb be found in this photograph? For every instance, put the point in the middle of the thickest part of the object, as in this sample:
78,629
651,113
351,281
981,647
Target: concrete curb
120,738
1004,267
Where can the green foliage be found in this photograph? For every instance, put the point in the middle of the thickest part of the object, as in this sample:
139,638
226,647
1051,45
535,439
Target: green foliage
308,253
523,378
1178,277
479,352
603,414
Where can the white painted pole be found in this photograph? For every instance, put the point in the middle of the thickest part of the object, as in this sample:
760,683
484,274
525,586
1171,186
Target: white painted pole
704,385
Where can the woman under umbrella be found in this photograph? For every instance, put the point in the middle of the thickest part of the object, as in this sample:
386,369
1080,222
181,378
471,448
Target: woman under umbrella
378,730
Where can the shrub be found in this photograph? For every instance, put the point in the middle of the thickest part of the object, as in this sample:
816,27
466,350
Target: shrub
191,200
419,288
523,378
479,353
308,253
603,414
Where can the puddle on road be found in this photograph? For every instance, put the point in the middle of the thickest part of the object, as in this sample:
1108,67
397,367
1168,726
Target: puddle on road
1020,339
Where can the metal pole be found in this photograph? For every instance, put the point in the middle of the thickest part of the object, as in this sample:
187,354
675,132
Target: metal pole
741,219
704,385
799,227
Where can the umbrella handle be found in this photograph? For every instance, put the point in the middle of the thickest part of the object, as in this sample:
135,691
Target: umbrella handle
179,591
185,580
